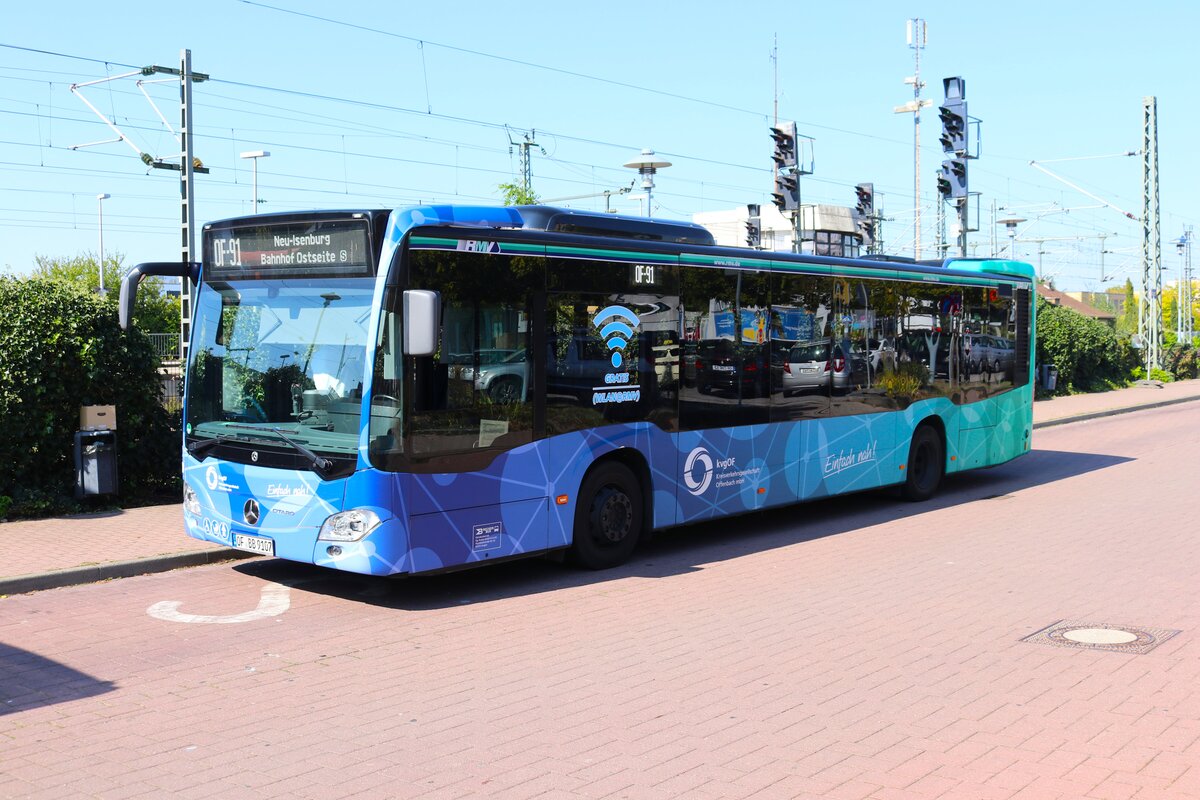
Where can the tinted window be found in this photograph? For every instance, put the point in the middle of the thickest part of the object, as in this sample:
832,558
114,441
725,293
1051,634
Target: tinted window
612,344
863,327
987,345
727,314
801,313
473,397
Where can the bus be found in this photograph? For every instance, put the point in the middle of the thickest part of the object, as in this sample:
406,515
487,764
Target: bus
408,391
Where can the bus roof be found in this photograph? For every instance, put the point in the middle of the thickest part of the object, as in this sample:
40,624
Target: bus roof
573,223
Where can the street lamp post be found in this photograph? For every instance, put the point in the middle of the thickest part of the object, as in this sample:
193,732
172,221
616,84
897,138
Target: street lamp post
100,198
1180,294
1011,223
254,156
647,164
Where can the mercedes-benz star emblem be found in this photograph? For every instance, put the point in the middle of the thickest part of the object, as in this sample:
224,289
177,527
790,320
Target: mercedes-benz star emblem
250,512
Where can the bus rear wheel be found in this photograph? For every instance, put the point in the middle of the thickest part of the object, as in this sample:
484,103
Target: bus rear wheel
926,465
608,518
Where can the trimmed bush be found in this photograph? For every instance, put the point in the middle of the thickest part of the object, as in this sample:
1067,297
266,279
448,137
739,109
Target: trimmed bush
1183,361
1089,355
60,348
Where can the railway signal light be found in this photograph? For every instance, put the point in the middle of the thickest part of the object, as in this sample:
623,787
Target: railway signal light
785,155
787,191
865,211
954,128
866,199
943,182
952,182
753,226
954,116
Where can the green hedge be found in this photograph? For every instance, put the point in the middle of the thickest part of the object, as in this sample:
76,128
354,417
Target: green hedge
1089,355
1182,361
60,348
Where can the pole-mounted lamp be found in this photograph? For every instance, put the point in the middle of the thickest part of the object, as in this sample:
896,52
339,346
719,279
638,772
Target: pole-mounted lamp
647,164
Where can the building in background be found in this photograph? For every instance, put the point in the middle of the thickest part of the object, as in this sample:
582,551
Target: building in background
828,230
1071,300
1109,300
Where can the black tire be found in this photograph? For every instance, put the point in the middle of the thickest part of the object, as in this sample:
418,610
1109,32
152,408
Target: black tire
506,390
608,518
926,465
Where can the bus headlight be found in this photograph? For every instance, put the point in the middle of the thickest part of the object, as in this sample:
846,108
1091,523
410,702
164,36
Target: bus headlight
190,501
349,526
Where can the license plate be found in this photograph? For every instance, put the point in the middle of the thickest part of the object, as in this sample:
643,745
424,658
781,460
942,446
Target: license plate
721,368
254,544
809,369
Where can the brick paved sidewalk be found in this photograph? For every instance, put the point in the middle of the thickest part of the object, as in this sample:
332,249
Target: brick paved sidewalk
62,551
80,549
1077,406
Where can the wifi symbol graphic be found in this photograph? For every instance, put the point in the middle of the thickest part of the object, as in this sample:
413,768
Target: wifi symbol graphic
616,333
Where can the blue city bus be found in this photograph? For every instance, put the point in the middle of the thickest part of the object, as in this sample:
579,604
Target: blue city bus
397,392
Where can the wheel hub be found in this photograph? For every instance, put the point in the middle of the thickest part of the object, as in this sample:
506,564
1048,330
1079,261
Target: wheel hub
616,515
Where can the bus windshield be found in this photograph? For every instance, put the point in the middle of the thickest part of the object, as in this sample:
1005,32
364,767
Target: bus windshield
280,355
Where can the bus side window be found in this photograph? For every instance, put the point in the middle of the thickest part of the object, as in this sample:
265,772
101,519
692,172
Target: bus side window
726,312
864,324
475,392
801,342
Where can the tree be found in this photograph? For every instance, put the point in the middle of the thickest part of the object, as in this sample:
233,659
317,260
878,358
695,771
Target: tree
81,270
156,311
514,194
1127,323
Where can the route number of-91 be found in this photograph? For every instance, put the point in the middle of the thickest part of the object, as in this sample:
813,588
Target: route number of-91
230,249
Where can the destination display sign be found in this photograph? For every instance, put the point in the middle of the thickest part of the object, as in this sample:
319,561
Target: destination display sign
308,248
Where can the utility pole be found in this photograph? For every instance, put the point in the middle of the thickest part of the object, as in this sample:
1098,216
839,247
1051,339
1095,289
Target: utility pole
993,251
187,166
941,230
1184,297
1103,236
1150,306
1189,319
187,186
916,41
526,162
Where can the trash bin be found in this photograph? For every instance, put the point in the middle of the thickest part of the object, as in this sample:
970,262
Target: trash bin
1049,377
95,463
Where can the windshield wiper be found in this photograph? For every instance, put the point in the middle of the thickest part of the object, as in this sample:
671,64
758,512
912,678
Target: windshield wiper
198,449
319,463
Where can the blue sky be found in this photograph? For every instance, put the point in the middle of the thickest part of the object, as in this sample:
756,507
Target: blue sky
381,104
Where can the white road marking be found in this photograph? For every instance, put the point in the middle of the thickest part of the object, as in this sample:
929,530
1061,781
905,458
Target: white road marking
275,600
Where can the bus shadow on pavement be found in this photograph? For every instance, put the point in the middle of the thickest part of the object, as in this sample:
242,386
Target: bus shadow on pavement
685,549
28,680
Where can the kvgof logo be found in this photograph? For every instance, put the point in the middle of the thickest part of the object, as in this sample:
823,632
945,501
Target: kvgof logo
698,461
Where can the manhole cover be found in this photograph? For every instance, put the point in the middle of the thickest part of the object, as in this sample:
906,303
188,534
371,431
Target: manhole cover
1101,636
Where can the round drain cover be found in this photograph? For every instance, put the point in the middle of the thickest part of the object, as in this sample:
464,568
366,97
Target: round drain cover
1099,636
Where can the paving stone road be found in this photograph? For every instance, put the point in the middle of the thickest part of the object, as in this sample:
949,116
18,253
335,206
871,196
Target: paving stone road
855,648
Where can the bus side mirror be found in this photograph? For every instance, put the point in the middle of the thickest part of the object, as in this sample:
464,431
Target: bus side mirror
422,322
129,284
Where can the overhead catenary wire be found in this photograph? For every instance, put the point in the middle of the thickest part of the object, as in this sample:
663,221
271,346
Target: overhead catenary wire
598,170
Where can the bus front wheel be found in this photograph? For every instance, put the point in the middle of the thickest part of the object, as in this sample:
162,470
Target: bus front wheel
608,518
926,464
